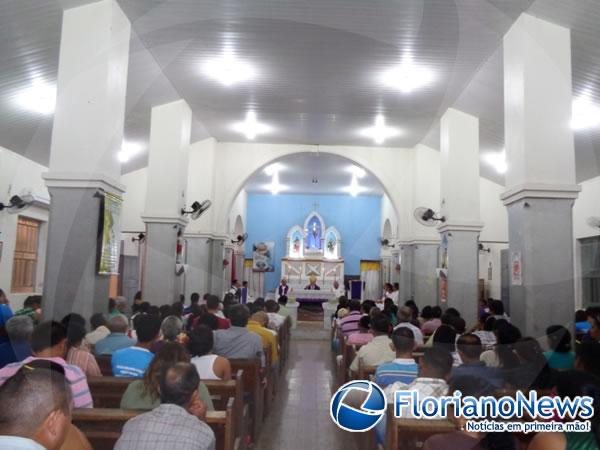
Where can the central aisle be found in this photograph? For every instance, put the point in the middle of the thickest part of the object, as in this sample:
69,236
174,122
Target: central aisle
300,418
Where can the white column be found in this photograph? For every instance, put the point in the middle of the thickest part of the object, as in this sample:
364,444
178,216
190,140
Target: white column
540,181
87,134
460,206
165,197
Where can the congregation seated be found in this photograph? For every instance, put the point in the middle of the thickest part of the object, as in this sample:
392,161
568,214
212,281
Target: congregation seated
257,324
560,355
582,324
390,310
208,365
432,319
364,335
275,319
403,368
445,337
144,394
18,347
212,308
178,422
496,310
99,329
77,354
32,308
237,342
36,408
49,342
502,355
587,358
486,332
194,300
117,306
469,349
405,316
379,350
133,361
531,369
5,314
283,309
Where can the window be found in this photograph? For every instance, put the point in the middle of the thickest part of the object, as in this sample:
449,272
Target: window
26,254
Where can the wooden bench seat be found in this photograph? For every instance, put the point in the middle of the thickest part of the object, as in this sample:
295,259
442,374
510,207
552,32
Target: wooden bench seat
103,426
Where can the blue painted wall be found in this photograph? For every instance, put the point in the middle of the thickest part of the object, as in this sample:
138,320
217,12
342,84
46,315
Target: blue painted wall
358,219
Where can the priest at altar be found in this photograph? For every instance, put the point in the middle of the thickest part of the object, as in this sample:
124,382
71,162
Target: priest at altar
283,288
313,284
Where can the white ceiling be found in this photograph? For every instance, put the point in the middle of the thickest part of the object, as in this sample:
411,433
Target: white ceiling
317,60
333,174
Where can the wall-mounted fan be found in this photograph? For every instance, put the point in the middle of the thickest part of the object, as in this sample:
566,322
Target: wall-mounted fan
197,209
483,249
385,243
17,203
240,239
427,216
593,222
139,238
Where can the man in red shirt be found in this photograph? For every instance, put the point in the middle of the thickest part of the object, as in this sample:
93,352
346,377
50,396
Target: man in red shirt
212,306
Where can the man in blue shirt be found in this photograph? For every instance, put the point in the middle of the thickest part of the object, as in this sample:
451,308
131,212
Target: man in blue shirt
5,314
117,339
403,369
132,362
19,330
469,350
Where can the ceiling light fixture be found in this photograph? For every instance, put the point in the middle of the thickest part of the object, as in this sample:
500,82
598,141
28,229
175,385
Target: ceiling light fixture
497,160
128,150
40,97
355,189
251,127
379,132
407,76
585,114
228,70
275,187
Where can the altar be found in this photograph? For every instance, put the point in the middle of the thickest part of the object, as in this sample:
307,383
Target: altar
313,257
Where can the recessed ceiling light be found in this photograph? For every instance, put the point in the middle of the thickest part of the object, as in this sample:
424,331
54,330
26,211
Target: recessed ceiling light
275,187
379,132
407,76
128,150
497,160
585,114
40,97
228,70
251,127
355,189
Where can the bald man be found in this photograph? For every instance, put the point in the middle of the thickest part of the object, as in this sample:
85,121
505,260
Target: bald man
36,408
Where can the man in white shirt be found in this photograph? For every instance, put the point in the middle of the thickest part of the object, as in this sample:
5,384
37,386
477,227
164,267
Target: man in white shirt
275,319
404,317
98,322
36,408
379,350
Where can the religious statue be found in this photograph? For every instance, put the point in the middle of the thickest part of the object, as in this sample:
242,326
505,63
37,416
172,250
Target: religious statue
313,234
296,245
313,284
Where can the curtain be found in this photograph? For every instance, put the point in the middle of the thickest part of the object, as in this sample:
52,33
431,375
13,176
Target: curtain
370,275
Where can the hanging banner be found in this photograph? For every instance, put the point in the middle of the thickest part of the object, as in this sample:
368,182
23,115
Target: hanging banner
110,216
263,257
516,269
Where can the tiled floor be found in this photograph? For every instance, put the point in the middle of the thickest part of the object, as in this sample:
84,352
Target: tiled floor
299,418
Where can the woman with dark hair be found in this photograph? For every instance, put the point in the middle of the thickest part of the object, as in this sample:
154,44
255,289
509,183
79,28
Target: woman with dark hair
390,310
533,371
415,312
208,365
503,354
560,355
434,322
144,394
571,384
77,354
445,337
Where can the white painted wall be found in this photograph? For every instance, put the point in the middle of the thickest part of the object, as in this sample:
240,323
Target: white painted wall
19,175
388,213
134,200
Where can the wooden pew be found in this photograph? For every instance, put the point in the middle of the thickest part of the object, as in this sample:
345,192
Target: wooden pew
410,434
103,426
107,391
104,362
253,391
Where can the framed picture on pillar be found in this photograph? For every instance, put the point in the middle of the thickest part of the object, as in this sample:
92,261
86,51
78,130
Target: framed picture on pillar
516,269
109,234
263,257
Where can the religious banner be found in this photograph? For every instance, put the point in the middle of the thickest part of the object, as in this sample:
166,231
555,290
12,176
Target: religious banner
110,216
516,269
263,257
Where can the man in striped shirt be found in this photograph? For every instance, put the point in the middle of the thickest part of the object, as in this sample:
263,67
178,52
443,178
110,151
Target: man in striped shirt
403,369
49,342
349,324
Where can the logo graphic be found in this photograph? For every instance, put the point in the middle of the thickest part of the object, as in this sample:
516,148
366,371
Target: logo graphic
362,418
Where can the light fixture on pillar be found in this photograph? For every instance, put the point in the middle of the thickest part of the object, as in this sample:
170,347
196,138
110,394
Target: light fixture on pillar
379,132
40,97
17,203
427,216
240,239
585,114
251,127
497,160
128,150
228,69
407,76
197,209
